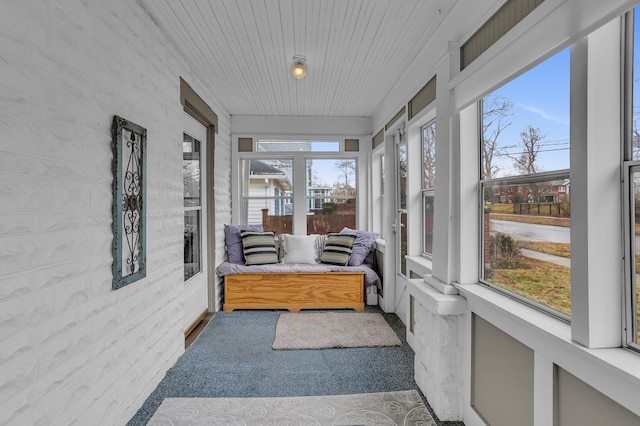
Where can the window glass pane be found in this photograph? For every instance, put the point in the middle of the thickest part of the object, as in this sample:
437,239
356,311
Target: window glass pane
635,181
192,217
401,205
191,170
429,156
402,175
295,146
262,177
331,190
274,214
525,186
382,174
383,206
403,243
525,123
526,240
633,156
428,210
635,135
267,193
192,256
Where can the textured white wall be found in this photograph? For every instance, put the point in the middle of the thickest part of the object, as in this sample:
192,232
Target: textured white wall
73,351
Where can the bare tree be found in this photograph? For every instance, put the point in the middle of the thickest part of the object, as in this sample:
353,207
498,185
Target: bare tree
347,174
495,118
315,179
531,141
429,157
635,135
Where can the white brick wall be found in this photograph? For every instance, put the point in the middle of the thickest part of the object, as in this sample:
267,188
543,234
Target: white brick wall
73,351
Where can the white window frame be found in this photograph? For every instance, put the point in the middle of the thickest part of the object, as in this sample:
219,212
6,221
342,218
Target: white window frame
244,199
505,187
507,182
378,202
630,294
298,158
427,192
630,166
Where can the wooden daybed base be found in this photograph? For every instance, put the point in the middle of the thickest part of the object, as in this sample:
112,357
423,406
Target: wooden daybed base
294,290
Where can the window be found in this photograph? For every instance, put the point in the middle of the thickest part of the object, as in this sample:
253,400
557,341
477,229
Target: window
331,195
287,186
632,190
525,145
381,201
296,146
192,206
634,266
267,194
401,221
428,184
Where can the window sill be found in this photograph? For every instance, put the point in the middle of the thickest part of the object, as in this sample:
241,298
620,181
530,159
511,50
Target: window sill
613,371
419,265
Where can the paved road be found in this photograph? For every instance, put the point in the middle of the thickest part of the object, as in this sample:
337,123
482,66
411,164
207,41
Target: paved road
532,232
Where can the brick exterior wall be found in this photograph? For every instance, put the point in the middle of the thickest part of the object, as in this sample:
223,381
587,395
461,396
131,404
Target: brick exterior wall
72,350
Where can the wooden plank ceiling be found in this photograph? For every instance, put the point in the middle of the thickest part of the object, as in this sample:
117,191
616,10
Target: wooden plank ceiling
356,49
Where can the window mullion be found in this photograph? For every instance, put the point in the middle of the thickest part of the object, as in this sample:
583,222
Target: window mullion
596,246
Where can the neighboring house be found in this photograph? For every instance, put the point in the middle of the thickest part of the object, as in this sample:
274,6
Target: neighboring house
546,192
267,181
315,204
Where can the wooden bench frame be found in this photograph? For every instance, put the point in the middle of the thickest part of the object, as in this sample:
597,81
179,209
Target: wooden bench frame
294,291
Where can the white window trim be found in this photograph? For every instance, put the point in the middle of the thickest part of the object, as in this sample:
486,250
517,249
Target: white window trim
378,196
299,166
596,232
630,322
426,192
431,192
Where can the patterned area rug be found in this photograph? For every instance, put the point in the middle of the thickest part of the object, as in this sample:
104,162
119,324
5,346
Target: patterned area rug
381,409
333,330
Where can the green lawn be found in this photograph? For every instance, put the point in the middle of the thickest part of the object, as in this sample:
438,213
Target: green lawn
543,282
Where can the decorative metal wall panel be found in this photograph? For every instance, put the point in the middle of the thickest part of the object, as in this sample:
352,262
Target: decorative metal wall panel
129,202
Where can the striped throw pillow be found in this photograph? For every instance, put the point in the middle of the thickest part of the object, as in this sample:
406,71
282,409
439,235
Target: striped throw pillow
259,247
337,249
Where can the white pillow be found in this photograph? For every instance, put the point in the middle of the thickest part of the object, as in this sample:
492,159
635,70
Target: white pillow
300,248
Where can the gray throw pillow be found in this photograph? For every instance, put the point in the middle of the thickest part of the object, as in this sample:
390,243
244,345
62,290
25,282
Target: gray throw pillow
361,246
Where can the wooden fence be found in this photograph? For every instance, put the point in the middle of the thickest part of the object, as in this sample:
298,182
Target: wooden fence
317,223
541,209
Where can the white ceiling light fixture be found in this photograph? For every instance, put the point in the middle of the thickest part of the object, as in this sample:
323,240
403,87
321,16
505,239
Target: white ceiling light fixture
299,67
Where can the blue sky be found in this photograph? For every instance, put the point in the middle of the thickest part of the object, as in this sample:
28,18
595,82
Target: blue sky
540,98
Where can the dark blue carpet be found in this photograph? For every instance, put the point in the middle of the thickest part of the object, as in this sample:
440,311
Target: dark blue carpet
233,358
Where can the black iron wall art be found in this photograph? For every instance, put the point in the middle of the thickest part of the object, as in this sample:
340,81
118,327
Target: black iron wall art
129,202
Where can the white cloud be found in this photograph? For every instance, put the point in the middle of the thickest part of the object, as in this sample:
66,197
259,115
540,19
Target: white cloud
544,114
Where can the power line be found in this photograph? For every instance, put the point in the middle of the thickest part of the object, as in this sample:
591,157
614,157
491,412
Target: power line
507,153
